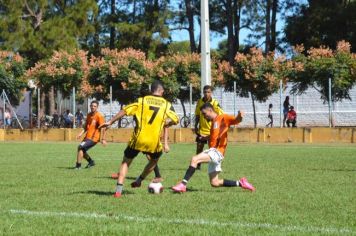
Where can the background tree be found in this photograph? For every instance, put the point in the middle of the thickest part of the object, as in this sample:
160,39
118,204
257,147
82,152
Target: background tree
314,70
255,75
12,67
322,22
62,72
36,28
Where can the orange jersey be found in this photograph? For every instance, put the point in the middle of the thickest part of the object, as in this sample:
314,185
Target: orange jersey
218,131
91,126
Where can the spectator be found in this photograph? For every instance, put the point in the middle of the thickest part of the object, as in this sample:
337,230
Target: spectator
79,116
55,121
270,117
291,117
7,117
68,119
285,110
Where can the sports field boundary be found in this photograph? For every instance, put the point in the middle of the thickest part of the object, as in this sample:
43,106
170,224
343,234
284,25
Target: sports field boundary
200,222
313,135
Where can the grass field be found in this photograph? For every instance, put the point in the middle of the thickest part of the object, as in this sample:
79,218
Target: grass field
301,190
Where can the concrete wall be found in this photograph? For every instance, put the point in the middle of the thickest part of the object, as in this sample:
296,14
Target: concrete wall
242,135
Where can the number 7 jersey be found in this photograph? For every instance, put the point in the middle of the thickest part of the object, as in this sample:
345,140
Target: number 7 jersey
150,113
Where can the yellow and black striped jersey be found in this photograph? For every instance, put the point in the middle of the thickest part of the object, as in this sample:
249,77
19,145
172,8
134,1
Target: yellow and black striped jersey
150,113
204,124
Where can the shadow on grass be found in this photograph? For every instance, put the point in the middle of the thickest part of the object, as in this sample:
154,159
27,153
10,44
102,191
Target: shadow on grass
108,177
104,193
66,168
334,170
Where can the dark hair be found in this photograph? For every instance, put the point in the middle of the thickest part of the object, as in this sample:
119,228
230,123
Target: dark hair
206,105
208,87
156,85
270,105
95,101
291,107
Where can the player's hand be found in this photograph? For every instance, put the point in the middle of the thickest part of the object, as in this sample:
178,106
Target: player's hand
166,148
78,136
104,143
196,130
240,115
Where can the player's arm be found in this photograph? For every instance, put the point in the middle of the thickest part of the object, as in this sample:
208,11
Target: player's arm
102,130
128,110
172,117
83,131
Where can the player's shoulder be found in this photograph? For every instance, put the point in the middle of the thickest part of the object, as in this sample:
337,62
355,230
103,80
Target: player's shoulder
99,114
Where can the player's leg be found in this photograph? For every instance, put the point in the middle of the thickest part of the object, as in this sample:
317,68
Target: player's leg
216,182
200,147
152,163
158,178
129,155
202,157
82,153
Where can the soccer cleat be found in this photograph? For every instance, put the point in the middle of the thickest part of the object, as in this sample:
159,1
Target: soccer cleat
246,185
77,168
90,164
157,180
135,184
115,175
179,188
117,195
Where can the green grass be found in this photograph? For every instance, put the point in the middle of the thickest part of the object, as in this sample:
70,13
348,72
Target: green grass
301,190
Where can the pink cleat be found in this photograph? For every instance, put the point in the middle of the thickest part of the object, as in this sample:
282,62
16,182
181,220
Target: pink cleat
246,185
117,195
179,188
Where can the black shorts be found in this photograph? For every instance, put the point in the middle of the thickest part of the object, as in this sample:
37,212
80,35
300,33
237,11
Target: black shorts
132,153
198,140
86,145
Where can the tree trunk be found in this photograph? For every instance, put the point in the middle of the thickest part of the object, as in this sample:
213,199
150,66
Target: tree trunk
237,17
52,102
230,31
268,26
273,26
134,12
254,111
190,16
112,27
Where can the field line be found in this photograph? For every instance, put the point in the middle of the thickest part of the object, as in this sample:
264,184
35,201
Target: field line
148,219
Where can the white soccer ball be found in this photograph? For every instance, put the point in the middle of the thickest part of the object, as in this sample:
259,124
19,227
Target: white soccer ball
155,188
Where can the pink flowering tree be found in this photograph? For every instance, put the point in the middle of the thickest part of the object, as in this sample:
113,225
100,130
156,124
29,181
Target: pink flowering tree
12,68
320,64
127,71
178,72
255,74
63,71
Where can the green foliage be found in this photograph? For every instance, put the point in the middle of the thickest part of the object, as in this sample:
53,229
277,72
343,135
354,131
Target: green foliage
319,65
12,68
36,28
322,22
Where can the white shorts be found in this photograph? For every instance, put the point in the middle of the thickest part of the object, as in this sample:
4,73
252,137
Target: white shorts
215,160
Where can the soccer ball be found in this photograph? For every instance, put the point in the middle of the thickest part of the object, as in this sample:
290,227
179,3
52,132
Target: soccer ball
155,188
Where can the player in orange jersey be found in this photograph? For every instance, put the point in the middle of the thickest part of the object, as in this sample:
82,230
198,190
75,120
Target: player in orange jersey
215,154
92,135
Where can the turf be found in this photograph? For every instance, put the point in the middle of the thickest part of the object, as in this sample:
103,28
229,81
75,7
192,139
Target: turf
301,190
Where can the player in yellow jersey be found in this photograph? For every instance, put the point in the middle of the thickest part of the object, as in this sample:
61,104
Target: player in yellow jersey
93,134
202,125
152,113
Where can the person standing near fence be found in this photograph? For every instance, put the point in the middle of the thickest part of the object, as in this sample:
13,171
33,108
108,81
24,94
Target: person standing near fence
270,117
93,134
285,110
202,125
